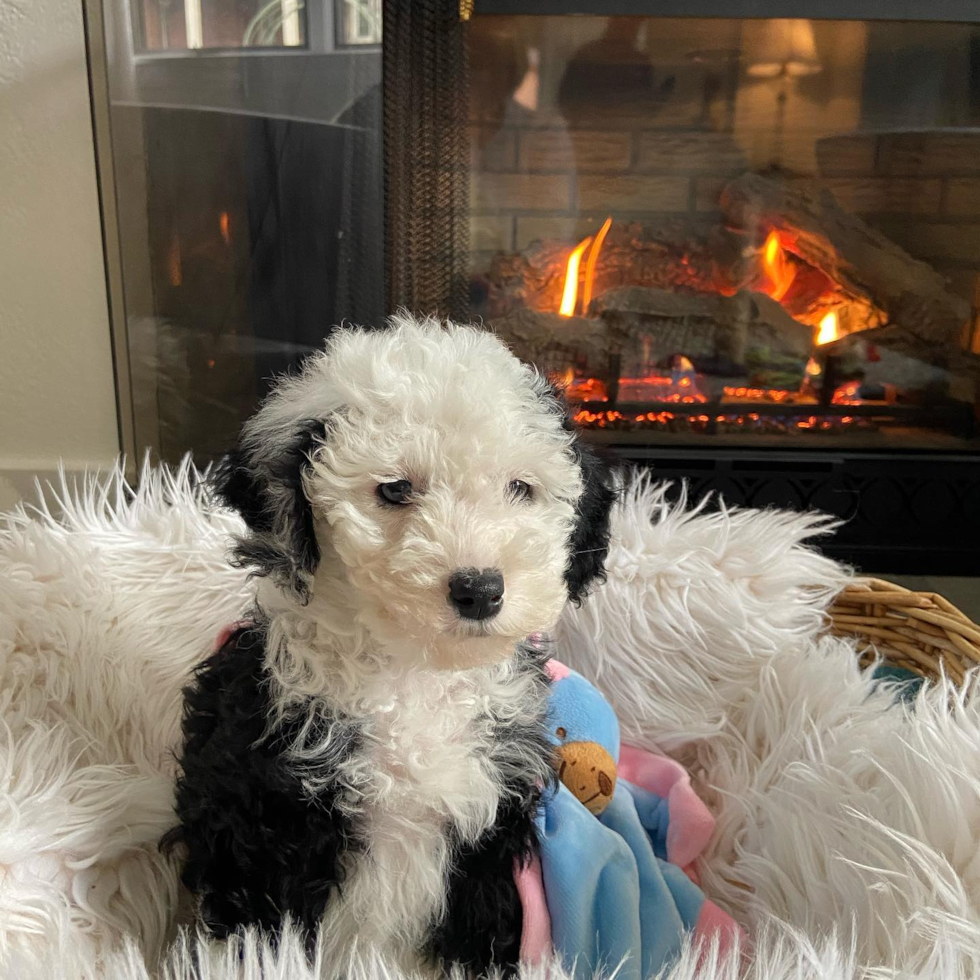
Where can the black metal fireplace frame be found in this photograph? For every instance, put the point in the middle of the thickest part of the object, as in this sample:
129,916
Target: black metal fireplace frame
950,11
910,512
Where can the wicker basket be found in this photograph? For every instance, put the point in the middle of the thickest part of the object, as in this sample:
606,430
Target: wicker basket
919,631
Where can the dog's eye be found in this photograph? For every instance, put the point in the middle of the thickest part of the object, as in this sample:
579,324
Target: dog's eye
519,490
397,492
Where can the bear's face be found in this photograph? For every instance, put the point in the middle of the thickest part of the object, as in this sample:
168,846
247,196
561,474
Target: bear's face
589,772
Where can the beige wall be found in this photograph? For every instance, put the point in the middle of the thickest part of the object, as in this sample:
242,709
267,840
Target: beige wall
56,384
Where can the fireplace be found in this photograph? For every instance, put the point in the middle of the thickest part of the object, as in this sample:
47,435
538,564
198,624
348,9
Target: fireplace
748,249
744,235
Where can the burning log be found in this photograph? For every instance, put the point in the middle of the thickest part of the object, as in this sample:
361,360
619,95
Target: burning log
668,255
883,284
540,337
721,334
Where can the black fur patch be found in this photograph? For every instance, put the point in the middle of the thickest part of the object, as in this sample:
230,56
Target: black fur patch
269,494
258,847
589,544
483,922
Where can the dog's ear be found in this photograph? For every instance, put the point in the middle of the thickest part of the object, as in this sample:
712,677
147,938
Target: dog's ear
589,543
263,479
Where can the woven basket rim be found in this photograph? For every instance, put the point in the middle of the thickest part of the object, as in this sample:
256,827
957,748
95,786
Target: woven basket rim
919,631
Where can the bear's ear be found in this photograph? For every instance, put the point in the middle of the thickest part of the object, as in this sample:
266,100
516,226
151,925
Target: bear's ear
263,479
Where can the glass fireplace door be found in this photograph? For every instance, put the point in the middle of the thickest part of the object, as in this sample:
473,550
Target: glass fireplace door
241,161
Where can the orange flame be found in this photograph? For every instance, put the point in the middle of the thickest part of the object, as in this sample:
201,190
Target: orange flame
224,224
570,292
829,328
564,379
569,295
591,264
777,267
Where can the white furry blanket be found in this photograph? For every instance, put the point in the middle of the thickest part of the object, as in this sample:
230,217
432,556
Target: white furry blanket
847,824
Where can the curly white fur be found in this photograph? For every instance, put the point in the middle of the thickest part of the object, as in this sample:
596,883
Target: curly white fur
450,409
852,819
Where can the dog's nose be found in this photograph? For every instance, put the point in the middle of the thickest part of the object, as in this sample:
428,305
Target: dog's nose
476,593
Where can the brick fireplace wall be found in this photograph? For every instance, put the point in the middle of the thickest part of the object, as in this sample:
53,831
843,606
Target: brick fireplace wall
538,177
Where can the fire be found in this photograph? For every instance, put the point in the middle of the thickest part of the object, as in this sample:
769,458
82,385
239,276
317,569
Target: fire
847,394
569,295
829,328
757,394
564,379
778,269
591,264
570,292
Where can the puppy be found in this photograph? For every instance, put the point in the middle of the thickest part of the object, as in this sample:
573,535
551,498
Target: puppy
364,756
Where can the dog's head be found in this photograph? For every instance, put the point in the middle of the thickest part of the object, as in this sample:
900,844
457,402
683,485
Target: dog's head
433,475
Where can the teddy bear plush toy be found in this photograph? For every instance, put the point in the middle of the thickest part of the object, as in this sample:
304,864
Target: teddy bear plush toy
619,834
585,732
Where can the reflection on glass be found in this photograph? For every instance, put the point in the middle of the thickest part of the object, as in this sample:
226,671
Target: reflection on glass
360,21
248,192
176,25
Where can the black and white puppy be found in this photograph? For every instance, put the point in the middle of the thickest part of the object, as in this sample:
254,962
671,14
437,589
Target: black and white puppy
366,754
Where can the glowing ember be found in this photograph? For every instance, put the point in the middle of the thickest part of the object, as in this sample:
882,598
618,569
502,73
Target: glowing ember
848,394
757,394
778,268
570,292
661,388
591,264
729,422
829,328
587,390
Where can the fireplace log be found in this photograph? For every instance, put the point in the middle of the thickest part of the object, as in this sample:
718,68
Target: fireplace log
705,325
924,319
644,325
537,336
667,254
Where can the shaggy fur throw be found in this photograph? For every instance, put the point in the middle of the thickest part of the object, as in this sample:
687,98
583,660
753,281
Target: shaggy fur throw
847,821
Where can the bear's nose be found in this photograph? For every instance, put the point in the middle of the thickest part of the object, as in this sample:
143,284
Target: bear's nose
476,593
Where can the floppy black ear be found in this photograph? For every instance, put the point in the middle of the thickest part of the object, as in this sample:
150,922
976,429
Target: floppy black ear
264,483
589,542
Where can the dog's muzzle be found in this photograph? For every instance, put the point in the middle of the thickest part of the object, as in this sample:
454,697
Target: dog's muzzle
476,593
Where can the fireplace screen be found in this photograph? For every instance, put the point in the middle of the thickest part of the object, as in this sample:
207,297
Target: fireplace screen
744,231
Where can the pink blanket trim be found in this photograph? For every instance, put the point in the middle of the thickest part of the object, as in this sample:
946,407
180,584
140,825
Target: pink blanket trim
712,922
536,933
691,823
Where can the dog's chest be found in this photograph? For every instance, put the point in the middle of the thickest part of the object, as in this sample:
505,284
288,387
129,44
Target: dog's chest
423,770
432,756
